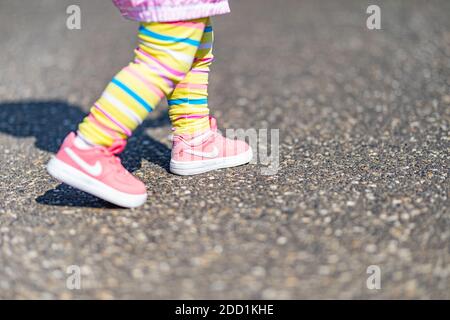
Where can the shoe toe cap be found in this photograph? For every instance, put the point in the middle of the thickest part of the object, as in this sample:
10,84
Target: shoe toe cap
129,184
240,146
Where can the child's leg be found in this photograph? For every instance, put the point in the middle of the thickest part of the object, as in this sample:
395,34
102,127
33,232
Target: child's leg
165,54
188,102
197,145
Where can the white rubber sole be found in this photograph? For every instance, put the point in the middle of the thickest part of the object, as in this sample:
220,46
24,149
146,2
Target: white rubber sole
77,179
187,168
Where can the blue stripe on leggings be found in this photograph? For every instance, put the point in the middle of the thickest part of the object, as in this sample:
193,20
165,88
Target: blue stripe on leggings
187,101
132,94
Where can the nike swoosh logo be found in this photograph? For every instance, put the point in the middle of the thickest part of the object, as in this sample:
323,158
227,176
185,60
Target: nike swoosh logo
213,154
94,170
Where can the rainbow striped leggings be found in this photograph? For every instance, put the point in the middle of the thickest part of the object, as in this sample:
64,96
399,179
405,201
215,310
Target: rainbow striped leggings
172,60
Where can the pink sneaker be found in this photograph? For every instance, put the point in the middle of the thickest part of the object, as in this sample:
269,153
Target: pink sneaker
207,151
98,171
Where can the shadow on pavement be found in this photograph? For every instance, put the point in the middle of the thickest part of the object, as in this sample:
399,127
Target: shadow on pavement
50,121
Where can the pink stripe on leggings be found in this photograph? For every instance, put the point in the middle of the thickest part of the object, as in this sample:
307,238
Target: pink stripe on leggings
172,71
149,85
191,116
155,70
204,59
126,130
199,71
113,135
192,86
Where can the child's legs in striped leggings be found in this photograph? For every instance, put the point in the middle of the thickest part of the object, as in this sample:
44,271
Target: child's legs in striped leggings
188,102
165,55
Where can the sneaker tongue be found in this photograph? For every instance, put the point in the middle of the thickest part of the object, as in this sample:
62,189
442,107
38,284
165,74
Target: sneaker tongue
118,146
199,138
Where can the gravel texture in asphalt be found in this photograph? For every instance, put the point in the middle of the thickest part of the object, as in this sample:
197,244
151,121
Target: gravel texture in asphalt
363,178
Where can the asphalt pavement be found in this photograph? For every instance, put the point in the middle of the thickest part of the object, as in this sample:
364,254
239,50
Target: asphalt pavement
363,177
